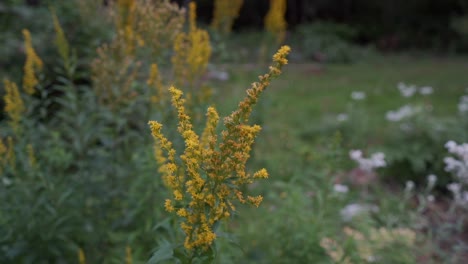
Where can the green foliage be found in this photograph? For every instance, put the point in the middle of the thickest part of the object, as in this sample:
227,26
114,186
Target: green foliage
329,42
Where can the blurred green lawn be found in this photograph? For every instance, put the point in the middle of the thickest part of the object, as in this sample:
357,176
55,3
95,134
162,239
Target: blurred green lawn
307,94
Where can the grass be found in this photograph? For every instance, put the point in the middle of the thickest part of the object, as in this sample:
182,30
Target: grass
306,95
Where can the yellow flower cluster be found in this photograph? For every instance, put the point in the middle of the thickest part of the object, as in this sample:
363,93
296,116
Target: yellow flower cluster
128,255
14,105
275,22
208,179
155,81
81,256
141,25
148,23
224,14
31,66
192,52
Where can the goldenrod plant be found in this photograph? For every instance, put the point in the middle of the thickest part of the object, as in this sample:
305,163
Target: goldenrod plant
143,28
206,181
225,13
32,65
275,22
14,105
192,52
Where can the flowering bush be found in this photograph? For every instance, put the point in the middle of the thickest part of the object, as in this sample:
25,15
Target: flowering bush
209,178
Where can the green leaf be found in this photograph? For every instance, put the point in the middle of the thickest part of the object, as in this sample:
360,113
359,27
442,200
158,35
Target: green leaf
164,252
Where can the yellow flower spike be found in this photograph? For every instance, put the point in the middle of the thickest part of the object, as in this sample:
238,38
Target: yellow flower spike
14,105
192,16
168,205
224,14
155,81
128,255
275,21
32,65
261,174
192,51
245,106
81,256
255,200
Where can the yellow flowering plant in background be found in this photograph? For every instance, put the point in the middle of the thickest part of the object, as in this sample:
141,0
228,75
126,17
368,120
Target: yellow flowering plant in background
206,179
32,65
143,29
275,22
14,105
224,14
192,52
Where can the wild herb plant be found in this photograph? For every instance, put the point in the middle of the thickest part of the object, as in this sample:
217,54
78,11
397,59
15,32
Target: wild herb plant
207,179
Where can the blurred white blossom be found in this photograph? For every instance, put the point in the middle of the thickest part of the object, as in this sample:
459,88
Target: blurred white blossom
340,188
463,104
426,90
409,186
457,165
352,210
403,112
342,117
430,198
406,90
431,181
358,95
376,160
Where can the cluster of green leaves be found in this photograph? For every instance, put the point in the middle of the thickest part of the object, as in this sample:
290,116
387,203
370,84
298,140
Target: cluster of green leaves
329,42
94,185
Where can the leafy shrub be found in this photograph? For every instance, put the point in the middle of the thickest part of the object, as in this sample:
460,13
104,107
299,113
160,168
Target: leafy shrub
328,42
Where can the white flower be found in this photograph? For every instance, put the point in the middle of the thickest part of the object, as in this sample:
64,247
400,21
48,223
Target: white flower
401,113
409,186
463,104
426,90
6,181
465,197
358,95
342,117
431,180
352,210
355,154
430,198
454,188
377,160
406,91
459,165
340,188
451,145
